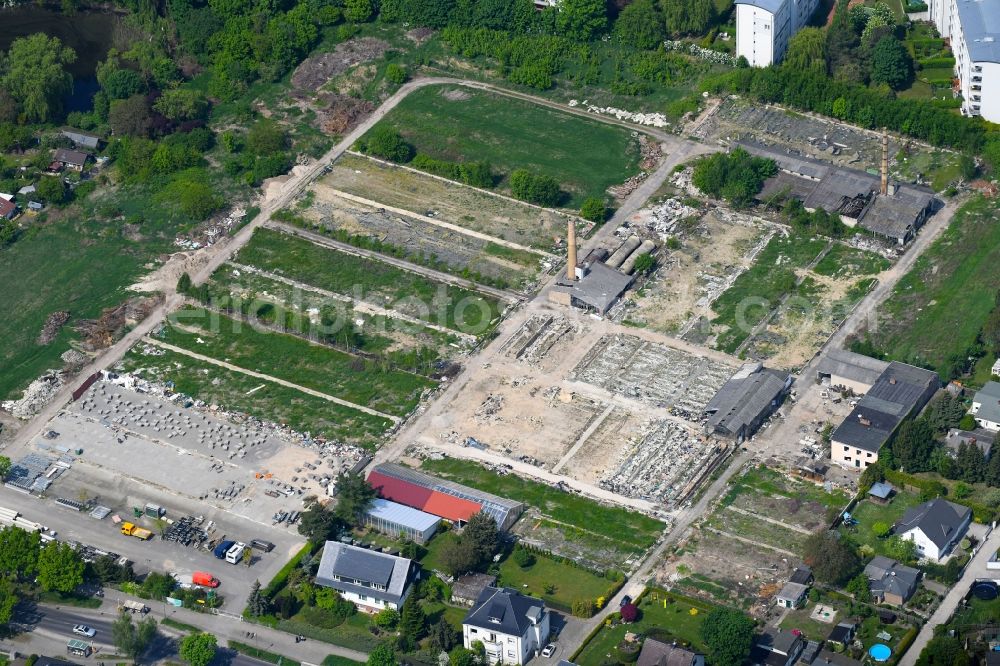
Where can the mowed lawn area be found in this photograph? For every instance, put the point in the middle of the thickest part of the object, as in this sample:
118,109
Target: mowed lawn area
868,513
937,309
568,583
631,528
663,615
371,280
462,125
293,359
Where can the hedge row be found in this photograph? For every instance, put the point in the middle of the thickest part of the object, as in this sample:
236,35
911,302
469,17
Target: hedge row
980,512
279,580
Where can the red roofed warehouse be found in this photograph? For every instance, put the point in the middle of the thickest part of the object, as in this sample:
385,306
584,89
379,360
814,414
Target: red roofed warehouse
441,498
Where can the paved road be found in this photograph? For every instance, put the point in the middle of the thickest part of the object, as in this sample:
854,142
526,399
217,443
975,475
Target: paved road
975,570
51,626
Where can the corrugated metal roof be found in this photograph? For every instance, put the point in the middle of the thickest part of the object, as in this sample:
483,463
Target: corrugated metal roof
400,514
440,497
431,501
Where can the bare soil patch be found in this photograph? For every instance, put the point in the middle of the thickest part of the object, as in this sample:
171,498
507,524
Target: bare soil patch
315,71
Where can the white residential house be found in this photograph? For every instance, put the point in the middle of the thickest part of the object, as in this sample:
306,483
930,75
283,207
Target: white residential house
935,527
763,28
513,627
371,580
995,371
986,407
973,26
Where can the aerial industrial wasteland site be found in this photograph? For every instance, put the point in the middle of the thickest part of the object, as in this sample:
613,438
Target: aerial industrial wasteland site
462,333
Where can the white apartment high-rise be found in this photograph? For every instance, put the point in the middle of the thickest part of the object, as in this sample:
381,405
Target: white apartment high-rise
973,26
763,28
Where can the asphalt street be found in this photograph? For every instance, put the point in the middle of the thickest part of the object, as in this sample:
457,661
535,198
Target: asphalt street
46,629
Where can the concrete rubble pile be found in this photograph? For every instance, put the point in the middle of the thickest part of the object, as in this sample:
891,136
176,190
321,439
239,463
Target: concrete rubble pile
653,373
648,119
662,464
35,396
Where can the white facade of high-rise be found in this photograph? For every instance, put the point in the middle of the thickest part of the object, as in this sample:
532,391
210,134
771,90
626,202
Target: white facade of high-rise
973,26
763,28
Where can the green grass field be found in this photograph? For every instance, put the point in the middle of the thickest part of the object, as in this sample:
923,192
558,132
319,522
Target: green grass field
459,124
663,615
758,290
78,265
570,583
937,309
296,360
376,282
273,402
628,527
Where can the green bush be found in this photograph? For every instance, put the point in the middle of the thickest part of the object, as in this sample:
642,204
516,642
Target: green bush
594,209
395,74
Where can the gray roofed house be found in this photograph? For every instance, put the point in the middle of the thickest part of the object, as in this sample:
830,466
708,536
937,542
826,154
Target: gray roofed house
81,138
744,402
843,633
891,582
659,653
900,391
850,370
72,159
777,648
986,406
802,574
934,526
512,626
369,579
792,595
980,437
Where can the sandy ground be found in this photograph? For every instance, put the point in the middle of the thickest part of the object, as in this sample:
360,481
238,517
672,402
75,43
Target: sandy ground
711,256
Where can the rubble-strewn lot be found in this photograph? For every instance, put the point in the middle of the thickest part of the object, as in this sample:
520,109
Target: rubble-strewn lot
653,373
139,430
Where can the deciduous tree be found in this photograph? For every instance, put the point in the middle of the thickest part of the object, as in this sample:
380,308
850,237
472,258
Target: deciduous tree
198,649
133,638
728,633
35,76
639,25
832,559
582,20
59,567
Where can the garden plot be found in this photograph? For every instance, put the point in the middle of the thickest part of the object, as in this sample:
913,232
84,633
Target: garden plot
719,567
478,211
715,247
424,236
653,373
